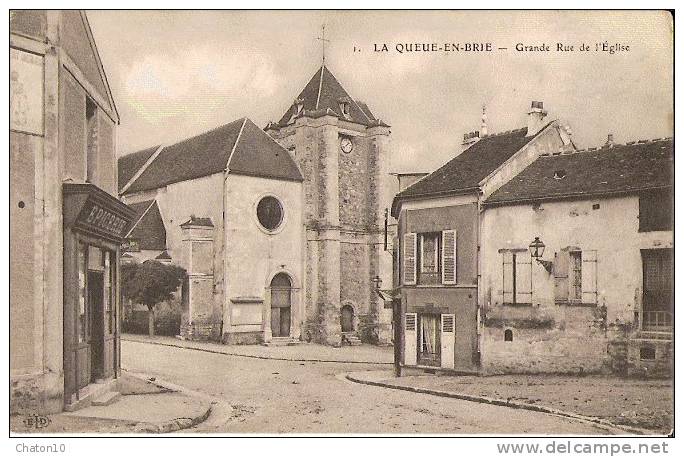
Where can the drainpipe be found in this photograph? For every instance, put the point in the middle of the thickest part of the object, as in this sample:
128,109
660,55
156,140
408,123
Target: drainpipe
478,264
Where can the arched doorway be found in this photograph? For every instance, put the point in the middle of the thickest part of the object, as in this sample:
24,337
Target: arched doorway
281,293
347,319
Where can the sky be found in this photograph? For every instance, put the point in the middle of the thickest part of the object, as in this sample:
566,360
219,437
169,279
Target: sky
174,74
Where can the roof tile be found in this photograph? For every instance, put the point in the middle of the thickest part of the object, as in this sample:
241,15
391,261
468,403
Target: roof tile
621,168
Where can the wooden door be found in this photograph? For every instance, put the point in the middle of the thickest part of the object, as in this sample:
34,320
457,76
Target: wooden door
96,311
347,319
281,289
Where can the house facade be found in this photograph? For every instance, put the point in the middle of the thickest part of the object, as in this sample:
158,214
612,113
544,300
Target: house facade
226,205
66,222
600,298
440,236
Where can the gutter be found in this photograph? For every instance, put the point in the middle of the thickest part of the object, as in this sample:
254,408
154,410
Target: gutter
398,199
576,195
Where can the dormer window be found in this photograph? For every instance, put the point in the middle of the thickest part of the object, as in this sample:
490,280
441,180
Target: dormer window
298,105
559,174
344,107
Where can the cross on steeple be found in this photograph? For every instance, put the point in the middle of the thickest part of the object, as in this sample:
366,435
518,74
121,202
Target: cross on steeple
323,40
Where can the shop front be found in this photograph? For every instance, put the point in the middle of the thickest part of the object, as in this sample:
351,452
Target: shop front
95,224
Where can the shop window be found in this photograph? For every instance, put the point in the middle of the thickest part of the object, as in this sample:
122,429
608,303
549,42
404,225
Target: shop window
82,268
517,277
655,210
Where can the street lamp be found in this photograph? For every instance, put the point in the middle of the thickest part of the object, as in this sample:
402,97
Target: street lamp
378,283
537,247
395,300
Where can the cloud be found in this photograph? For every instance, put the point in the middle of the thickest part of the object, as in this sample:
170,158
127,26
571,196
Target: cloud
161,86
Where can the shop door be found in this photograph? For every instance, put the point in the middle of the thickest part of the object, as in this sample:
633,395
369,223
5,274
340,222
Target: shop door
95,308
281,289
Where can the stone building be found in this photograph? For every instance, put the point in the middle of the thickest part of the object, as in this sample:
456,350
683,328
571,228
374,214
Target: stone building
227,206
524,255
600,298
66,224
343,151
440,235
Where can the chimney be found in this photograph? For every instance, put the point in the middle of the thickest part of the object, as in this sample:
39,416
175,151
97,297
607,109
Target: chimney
535,118
609,142
470,139
483,126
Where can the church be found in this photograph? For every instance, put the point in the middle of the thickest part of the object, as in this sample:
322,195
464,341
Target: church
281,229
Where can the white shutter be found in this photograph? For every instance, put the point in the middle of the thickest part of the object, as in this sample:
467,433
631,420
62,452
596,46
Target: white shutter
507,285
448,338
449,257
523,277
589,277
410,258
410,339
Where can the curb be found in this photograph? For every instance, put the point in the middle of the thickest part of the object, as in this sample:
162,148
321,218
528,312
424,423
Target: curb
249,356
173,425
509,404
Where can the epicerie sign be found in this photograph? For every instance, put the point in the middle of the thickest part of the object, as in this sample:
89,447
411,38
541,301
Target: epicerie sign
104,220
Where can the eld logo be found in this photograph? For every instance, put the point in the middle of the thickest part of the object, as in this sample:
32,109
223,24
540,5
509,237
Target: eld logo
36,421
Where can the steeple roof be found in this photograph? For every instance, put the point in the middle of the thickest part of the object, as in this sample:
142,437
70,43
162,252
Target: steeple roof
323,95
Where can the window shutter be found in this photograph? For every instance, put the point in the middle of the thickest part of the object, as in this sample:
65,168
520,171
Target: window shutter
449,257
410,339
507,286
447,340
560,274
589,279
410,258
523,278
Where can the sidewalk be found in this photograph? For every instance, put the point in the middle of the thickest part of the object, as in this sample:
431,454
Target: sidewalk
304,352
142,408
633,405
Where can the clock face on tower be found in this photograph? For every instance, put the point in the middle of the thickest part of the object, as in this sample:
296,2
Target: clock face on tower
346,144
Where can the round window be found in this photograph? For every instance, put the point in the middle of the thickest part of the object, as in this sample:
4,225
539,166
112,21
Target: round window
270,213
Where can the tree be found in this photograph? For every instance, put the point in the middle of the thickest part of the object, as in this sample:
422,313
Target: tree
150,283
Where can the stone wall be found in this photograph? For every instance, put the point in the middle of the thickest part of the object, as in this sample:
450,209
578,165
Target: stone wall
342,208
564,339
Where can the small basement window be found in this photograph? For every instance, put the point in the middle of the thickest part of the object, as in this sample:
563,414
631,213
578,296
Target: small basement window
647,353
508,335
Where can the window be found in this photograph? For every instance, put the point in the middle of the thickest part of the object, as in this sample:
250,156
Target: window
430,258
655,211
647,353
270,213
575,276
517,276
657,298
429,243
91,140
429,339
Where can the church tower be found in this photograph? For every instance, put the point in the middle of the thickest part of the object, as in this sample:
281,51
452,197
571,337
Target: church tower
343,152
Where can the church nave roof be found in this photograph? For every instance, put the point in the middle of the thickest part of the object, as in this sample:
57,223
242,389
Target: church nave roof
241,146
